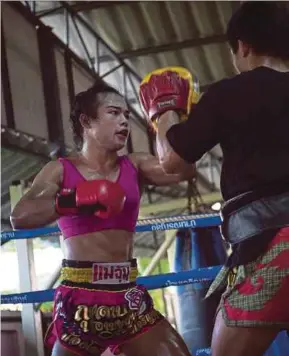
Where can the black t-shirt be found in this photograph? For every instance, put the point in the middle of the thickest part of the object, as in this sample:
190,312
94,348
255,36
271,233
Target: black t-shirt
248,115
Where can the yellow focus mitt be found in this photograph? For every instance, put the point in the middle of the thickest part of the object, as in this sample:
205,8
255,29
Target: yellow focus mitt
169,88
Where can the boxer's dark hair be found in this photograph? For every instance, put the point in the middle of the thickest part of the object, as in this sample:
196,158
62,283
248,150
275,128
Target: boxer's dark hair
86,103
263,25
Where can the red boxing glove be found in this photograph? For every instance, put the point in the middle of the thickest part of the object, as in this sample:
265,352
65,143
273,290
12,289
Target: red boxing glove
108,195
170,88
65,202
103,198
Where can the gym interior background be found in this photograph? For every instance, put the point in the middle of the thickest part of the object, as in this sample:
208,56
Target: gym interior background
50,51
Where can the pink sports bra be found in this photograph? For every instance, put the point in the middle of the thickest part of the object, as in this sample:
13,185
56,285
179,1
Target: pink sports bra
83,224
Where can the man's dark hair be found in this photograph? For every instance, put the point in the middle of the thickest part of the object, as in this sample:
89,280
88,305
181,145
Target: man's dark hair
263,25
86,103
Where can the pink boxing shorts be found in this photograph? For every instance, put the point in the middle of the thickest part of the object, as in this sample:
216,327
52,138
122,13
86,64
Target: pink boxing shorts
99,306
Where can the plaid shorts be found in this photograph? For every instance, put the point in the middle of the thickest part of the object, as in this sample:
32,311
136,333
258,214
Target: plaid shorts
257,293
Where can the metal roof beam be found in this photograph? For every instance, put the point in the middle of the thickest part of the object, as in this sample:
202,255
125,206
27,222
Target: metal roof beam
28,143
81,6
94,5
114,55
138,119
173,46
52,11
130,72
169,47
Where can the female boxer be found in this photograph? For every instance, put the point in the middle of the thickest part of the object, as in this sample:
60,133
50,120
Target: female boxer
248,115
95,197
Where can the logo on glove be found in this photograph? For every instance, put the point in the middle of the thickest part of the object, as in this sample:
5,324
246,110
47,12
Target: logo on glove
168,103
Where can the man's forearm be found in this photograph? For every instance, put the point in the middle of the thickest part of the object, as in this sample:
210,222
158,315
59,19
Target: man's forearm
170,161
165,122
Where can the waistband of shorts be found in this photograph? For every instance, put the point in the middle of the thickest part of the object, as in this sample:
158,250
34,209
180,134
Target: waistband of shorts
99,273
87,264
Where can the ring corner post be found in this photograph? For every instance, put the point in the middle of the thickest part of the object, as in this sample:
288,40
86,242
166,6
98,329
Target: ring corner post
31,320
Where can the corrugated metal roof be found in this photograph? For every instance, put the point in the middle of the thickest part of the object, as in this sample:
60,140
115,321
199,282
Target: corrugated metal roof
152,34
161,25
146,35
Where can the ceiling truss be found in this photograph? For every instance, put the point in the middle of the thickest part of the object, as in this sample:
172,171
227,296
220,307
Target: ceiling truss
155,196
47,149
129,77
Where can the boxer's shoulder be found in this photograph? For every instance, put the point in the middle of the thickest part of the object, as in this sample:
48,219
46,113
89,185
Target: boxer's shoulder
53,168
51,172
74,159
138,158
146,164
47,182
73,162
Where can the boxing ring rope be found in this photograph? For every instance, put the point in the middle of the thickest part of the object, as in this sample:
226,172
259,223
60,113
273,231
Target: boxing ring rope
143,225
150,282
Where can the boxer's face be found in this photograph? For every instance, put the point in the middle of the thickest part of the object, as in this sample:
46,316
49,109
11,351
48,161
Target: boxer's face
110,128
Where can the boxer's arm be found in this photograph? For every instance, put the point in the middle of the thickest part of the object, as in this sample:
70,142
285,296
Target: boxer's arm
186,142
151,172
37,207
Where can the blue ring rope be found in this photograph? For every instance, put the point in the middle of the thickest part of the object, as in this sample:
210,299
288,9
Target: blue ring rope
199,275
159,224
152,282
202,352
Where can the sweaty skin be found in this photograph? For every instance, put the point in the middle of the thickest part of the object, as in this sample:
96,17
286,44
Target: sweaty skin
37,208
98,160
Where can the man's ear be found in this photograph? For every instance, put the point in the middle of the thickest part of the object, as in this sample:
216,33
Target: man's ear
84,120
244,49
